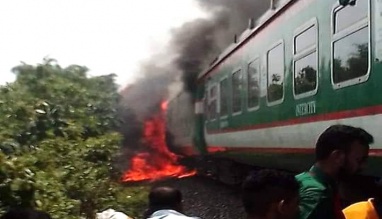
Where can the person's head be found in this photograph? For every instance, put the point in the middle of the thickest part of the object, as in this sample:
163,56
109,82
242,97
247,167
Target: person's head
25,214
271,194
165,198
345,148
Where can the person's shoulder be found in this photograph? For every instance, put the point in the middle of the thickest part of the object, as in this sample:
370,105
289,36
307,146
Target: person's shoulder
170,214
309,183
177,217
185,217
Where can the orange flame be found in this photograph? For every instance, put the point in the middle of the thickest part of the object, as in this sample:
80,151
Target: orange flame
164,105
159,162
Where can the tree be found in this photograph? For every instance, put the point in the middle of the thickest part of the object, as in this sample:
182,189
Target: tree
58,141
306,80
275,89
356,64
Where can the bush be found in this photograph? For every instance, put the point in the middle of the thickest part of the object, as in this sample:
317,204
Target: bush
58,143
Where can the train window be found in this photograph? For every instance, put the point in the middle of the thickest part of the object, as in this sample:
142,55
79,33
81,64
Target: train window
206,108
350,55
305,74
224,97
305,39
305,61
237,86
253,84
212,103
350,15
275,67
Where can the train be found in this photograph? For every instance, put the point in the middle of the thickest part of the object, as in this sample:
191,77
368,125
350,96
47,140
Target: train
305,65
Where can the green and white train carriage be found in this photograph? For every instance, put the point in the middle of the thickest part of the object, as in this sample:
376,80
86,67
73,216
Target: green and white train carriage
307,65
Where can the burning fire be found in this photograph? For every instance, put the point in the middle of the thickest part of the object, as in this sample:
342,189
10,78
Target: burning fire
158,162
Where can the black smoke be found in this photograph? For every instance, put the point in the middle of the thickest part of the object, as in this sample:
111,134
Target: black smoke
192,48
194,45
198,42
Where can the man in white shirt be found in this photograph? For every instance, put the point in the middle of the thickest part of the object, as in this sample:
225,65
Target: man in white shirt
111,214
165,203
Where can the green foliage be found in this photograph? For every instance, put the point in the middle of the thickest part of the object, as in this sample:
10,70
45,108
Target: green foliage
356,64
306,80
58,143
275,92
275,88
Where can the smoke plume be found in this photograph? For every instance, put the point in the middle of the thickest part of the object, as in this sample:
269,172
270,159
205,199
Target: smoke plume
194,45
192,48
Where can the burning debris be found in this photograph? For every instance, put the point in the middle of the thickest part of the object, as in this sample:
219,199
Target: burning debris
157,161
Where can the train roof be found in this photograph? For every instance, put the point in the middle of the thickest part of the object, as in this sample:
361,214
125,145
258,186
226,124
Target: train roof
250,32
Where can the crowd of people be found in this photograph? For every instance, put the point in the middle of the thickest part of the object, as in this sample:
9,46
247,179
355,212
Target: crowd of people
341,151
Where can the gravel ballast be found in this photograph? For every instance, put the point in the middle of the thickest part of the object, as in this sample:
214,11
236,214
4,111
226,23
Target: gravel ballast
207,199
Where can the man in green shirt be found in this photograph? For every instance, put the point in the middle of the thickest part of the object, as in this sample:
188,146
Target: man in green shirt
340,151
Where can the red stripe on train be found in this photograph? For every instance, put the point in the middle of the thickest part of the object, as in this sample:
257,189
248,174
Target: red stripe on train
373,110
278,150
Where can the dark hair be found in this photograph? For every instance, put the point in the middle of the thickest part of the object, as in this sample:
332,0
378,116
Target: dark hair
163,198
25,214
265,187
377,203
340,137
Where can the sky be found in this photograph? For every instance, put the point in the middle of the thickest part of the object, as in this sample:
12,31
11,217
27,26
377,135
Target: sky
107,36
